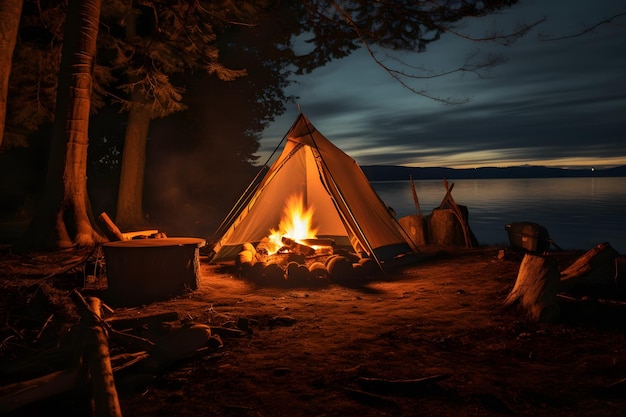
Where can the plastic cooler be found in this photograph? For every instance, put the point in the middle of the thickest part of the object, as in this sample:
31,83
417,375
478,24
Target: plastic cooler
528,236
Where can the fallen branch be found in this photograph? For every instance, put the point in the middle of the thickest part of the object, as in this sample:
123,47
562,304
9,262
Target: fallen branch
44,327
616,388
227,332
369,398
151,320
399,386
131,340
415,199
448,200
98,359
15,396
126,360
587,299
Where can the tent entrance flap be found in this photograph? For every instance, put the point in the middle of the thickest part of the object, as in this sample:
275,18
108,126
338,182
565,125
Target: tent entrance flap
330,184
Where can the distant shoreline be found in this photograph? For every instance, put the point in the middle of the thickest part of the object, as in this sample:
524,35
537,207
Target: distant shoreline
399,173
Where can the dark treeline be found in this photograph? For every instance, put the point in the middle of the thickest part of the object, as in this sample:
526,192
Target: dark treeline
399,173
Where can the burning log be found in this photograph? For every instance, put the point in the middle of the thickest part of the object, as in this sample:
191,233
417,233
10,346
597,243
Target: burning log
297,248
325,243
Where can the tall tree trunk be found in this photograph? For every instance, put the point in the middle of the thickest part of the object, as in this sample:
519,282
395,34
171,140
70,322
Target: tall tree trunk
10,13
64,217
130,194
129,213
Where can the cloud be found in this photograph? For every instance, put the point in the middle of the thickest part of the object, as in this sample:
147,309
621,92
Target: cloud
557,102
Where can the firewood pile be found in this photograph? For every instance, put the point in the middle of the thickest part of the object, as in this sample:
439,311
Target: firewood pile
312,263
60,341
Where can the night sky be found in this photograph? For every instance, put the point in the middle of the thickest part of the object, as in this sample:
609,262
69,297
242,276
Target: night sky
557,103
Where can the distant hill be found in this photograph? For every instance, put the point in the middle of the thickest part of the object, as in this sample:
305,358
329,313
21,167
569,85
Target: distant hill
397,173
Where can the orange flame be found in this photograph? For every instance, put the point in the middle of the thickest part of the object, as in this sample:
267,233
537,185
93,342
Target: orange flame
295,223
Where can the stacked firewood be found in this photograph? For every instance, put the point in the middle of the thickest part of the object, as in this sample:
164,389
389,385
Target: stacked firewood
301,266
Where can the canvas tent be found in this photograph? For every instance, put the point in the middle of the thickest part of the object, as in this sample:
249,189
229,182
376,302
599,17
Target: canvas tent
346,207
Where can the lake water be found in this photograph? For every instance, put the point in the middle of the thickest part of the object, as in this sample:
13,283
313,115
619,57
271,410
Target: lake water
578,213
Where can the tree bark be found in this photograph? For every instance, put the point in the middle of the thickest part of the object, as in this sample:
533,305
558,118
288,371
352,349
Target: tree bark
64,218
444,228
10,13
535,288
129,213
130,194
414,226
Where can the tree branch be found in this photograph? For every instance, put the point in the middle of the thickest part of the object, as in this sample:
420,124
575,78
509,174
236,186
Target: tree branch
585,31
505,39
401,76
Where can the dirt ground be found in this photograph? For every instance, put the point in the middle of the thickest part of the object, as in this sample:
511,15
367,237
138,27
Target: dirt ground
432,339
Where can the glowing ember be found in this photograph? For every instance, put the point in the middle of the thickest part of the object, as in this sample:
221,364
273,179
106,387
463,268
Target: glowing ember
295,223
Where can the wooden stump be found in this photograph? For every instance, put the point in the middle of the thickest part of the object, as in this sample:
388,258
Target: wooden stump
451,230
413,225
148,270
535,289
594,273
444,228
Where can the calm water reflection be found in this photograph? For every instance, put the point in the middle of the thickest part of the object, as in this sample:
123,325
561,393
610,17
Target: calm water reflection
579,213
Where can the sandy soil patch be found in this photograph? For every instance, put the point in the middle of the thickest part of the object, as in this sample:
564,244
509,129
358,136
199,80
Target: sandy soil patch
362,350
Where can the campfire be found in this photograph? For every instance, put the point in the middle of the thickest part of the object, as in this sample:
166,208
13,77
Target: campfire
293,252
296,233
